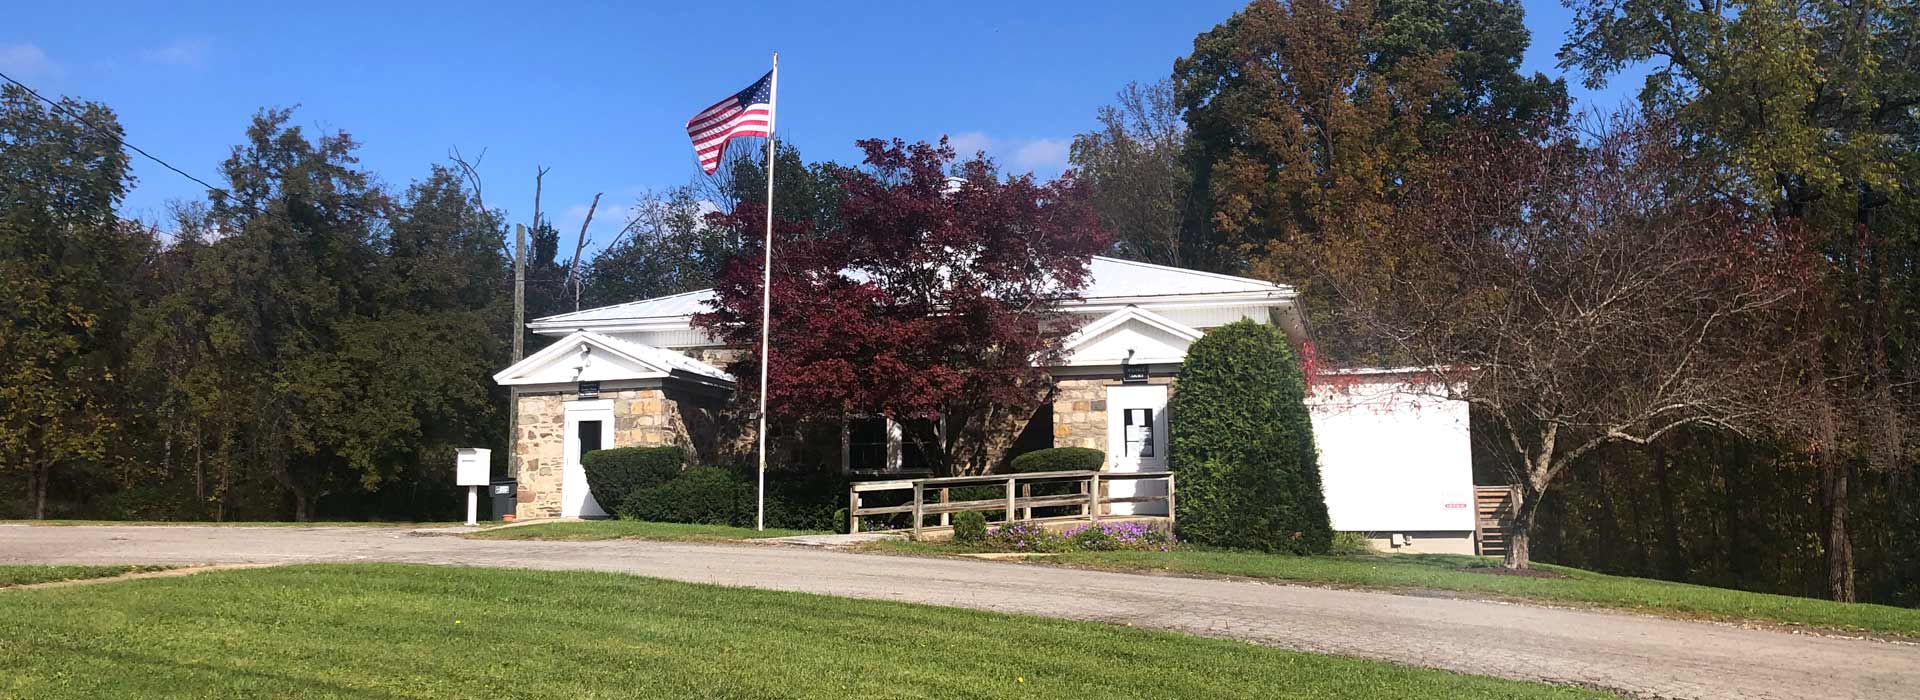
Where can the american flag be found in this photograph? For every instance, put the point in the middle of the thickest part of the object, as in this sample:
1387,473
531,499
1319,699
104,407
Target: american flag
748,112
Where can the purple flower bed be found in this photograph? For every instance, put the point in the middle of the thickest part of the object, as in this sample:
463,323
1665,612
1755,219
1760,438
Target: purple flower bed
1116,536
1029,537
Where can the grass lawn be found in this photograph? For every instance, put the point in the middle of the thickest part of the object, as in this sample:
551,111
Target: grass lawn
396,631
1579,587
632,530
238,523
25,574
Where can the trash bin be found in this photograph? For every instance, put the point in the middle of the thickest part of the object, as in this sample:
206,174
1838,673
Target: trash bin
506,495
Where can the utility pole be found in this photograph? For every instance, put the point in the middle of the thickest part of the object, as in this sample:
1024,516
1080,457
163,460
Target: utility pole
519,346
519,291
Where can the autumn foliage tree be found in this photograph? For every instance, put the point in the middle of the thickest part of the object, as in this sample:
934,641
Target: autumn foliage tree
1809,111
931,300
1585,295
1306,116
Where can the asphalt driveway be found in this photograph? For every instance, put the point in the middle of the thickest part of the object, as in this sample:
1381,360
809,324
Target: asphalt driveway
1644,656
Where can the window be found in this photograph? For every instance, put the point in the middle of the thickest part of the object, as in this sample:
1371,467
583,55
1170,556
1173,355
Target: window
589,434
873,444
1138,424
866,443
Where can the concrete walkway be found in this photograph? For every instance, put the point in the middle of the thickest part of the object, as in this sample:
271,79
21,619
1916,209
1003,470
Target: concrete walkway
1640,655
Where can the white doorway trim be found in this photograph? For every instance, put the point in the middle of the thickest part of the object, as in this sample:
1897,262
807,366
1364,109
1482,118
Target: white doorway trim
1137,442
575,500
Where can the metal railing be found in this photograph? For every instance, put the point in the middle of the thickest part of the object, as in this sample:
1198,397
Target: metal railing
1017,504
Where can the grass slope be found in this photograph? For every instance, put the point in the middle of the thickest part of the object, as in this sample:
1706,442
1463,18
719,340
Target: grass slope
28,574
393,631
631,530
1444,572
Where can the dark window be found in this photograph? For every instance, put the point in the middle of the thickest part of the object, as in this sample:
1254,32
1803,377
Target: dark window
866,443
589,436
911,456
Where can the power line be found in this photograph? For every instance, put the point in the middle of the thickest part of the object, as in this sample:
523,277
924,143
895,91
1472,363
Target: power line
116,137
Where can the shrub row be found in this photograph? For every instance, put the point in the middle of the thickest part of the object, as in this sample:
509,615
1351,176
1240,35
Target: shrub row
655,484
1059,459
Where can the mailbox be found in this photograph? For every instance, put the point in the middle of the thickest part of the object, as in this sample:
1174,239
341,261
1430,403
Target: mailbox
475,467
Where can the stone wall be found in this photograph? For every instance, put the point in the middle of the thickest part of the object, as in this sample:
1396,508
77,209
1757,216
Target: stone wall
1080,410
1080,413
641,418
537,445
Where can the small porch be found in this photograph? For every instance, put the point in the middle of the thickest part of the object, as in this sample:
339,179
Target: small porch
1064,498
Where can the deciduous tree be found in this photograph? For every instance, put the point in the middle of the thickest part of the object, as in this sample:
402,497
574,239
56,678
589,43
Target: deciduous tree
1134,165
930,300
1808,110
67,263
1306,117
1584,295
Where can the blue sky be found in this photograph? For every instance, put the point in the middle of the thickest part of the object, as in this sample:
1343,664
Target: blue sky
600,94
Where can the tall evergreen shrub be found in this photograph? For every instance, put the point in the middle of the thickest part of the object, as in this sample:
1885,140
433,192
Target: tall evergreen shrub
1243,445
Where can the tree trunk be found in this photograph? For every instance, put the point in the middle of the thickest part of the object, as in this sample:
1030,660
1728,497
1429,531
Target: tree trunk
1835,476
42,474
1520,531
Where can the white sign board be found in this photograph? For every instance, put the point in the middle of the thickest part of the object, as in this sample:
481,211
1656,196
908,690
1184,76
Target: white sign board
475,467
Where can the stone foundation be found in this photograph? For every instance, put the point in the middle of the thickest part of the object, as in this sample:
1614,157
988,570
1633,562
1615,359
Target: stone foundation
641,418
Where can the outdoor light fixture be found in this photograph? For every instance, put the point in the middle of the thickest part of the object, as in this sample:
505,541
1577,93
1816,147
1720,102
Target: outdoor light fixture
1131,373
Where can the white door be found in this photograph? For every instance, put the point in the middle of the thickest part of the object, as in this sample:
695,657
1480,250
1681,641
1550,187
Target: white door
589,427
1137,442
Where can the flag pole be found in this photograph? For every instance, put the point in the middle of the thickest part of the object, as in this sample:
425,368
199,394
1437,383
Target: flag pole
766,300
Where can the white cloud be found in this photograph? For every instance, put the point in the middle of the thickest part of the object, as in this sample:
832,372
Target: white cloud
182,52
26,61
1042,155
970,142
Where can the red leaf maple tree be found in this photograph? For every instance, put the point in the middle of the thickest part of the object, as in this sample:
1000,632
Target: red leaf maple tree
933,300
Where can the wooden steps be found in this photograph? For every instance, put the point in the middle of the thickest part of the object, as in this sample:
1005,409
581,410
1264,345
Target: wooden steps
1493,519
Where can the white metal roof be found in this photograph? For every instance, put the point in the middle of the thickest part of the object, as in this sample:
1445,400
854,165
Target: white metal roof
1110,280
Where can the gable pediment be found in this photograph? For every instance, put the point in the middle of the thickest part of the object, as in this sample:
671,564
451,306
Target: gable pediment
585,356
1131,334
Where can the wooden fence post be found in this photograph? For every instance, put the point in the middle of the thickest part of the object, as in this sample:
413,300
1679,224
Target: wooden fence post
1010,510
943,501
1170,499
853,507
1093,490
918,508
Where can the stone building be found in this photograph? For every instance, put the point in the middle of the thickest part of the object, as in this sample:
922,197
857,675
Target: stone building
639,373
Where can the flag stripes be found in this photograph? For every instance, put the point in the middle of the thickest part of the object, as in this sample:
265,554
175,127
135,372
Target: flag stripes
745,113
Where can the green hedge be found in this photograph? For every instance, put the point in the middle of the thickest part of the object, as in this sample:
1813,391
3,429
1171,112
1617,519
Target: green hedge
701,495
803,501
613,475
969,528
1243,445
1059,459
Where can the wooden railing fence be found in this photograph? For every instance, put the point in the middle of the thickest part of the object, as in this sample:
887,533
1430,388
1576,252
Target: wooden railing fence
934,497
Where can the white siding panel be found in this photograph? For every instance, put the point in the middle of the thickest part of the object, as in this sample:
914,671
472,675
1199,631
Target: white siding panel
1393,461
677,338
